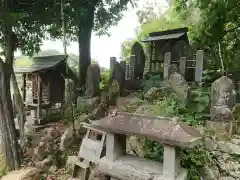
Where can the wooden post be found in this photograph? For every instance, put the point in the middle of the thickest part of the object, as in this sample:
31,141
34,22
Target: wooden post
182,66
151,58
199,66
24,86
39,91
167,62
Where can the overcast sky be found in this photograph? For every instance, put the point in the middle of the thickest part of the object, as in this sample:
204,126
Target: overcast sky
102,48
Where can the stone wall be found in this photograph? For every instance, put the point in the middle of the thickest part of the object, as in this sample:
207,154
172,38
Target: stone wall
224,156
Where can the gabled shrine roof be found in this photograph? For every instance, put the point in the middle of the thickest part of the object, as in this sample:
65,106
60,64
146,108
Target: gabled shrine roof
42,63
167,35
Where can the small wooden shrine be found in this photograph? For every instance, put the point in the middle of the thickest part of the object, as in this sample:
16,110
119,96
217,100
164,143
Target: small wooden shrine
174,41
46,79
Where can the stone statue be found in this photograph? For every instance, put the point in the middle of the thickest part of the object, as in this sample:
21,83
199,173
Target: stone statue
178,83
118,74
223,98
93,80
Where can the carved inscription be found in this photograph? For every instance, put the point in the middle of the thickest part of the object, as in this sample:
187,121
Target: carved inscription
87,150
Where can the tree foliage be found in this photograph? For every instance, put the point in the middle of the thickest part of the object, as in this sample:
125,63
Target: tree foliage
126,49
218,30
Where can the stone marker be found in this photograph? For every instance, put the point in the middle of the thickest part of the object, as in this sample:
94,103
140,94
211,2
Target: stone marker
223,98
139,64
178,83
93,80
118,74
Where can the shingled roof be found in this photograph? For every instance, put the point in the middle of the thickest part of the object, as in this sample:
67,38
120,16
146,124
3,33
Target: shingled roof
42,63
167,35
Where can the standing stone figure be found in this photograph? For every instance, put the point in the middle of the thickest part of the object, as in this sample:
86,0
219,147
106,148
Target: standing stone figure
118,74
223,98
178,83
92,81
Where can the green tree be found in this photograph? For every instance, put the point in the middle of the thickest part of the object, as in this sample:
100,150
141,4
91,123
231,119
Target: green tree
84,17
22,26
126,49
218,30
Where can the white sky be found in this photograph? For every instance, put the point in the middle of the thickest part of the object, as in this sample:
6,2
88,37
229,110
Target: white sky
102,48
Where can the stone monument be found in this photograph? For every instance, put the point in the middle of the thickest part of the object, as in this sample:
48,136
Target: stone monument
93,80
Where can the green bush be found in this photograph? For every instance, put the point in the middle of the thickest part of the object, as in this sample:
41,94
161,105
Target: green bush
192,159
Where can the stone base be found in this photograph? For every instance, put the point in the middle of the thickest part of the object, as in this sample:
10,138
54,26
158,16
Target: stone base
133,167
221,129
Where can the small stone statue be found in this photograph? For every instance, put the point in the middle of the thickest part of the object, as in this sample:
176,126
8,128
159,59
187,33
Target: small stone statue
93,80
223,98
178,83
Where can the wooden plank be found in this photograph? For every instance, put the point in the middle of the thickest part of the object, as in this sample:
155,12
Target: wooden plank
39,91
24,87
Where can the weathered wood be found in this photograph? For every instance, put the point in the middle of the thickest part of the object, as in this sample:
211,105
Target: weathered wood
24,86
20,108
7,126
39,93
182,66
161,129
167,62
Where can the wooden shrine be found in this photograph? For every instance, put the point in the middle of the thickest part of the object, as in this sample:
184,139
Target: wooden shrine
46,78
108,150
174,41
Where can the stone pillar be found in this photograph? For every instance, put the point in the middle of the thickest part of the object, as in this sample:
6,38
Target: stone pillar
113,61
199,66
167,63
182,66
115,146
171,162
123,63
